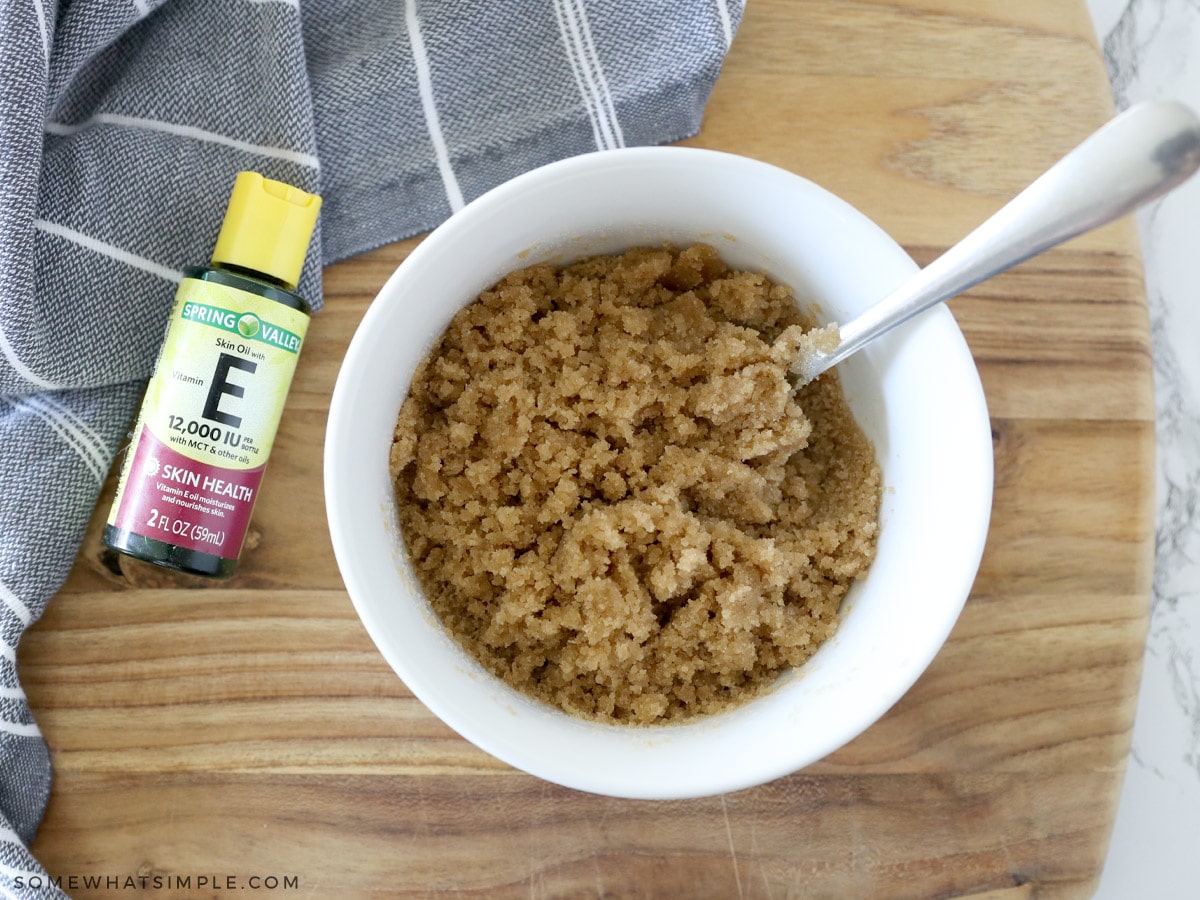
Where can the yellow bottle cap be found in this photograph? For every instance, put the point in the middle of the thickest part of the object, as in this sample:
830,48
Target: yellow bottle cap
267,227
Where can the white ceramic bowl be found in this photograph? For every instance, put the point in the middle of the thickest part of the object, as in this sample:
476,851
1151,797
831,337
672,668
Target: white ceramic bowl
916,394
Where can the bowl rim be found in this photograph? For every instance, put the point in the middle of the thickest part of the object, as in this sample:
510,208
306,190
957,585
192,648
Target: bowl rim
504,746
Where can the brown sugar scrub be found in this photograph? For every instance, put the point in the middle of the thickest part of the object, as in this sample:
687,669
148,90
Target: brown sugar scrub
613,494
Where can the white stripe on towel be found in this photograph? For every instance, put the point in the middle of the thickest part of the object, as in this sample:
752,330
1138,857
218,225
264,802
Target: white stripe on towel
10,353
594,58
294,4
582,69
66,434
40,9
588,100
432,124
30,877
101,446
16,604
88,441
187,131
109,250
726,22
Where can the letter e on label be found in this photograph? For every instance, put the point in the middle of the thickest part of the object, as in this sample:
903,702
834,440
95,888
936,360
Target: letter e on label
221,386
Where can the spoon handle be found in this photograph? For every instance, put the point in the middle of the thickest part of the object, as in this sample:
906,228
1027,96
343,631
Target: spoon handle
1141,154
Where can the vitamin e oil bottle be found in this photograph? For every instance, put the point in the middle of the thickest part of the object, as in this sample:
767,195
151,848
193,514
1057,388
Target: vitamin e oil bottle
200,445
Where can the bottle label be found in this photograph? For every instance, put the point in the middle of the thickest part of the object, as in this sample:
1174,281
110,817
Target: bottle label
207,424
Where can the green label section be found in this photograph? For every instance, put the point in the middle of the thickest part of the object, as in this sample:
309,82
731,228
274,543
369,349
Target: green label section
245,325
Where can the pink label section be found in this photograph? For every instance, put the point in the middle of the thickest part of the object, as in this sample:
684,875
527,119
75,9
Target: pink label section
180,501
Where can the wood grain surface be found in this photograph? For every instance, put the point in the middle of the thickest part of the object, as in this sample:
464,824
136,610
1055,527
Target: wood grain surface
250,728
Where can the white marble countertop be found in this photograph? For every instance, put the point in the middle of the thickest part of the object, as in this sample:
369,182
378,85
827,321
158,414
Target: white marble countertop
1152,48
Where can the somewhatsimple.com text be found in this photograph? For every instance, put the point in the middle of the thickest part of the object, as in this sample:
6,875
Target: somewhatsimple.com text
166,881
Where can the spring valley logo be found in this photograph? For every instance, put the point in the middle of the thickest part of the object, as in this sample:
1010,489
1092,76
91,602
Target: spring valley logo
248,325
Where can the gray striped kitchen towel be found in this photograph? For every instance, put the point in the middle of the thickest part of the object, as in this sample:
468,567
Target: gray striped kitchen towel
122,125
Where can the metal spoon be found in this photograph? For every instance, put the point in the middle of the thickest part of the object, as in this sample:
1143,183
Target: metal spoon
1139,155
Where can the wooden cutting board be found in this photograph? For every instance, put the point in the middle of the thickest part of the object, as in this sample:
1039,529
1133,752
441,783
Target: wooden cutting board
251,729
